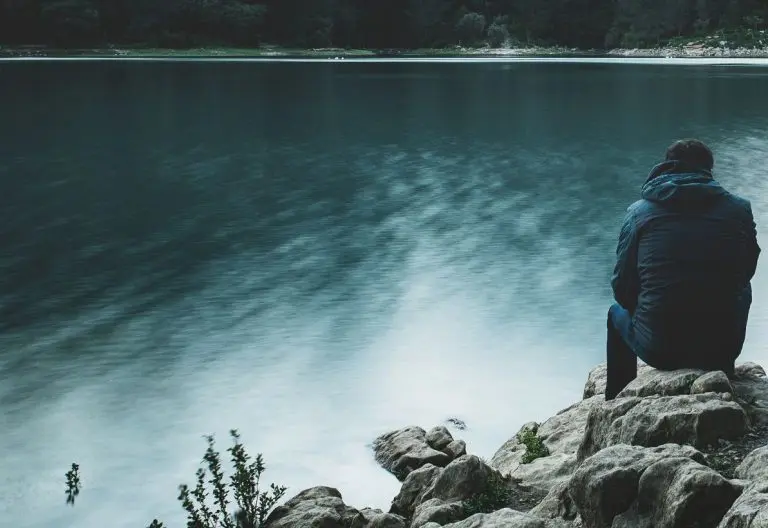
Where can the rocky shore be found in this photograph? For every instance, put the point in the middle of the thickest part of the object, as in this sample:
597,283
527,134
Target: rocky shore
680,449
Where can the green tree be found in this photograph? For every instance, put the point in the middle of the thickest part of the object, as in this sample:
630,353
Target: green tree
71,23
470,28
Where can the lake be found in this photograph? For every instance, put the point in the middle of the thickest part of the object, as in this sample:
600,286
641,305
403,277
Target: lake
315,253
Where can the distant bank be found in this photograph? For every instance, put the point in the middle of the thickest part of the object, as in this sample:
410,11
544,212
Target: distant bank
689,50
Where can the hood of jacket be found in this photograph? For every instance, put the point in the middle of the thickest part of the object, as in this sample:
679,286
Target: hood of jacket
676,185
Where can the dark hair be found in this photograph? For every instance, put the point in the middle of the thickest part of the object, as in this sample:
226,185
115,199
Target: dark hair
691,152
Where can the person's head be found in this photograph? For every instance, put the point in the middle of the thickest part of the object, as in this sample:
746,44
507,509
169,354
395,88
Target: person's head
691,153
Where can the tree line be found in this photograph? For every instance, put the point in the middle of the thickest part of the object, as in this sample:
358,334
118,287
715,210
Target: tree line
370,24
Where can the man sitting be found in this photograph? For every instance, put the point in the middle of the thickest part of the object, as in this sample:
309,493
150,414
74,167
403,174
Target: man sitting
686,254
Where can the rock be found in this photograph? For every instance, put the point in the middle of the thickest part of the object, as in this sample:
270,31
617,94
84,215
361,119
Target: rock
652,382
373,518
405,450
546,472
606,484
561,434
716,381
697,420
461,479
439,438
558,504
750,510
456,449
751,390
413,489
505,518
597,378
324,507
677,492
754,466
436,510
749,370
510,455
596,381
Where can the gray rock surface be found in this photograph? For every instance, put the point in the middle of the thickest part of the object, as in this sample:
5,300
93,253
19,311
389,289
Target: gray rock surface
439,437
456,449
652,382
754,466
676,492
558,504
606,484
596,379
749,370
697,420
406,450
750,510
463,478
412,492
439,511
505,518
323,507
716,381
561,434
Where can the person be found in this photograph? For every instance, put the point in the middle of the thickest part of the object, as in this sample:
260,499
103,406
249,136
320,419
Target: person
686,254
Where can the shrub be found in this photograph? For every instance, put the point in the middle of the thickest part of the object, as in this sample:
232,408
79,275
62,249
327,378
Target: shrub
253,503
495,496
534,446
470,28
497,35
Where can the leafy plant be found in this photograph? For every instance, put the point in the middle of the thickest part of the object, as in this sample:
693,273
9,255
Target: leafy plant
495,496
253,504
73,484
534,445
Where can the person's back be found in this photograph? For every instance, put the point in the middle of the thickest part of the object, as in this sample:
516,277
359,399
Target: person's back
686,254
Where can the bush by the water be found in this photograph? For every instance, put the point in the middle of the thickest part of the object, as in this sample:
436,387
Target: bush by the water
208,504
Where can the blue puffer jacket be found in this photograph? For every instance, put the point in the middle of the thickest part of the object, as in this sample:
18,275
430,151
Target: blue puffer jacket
686,254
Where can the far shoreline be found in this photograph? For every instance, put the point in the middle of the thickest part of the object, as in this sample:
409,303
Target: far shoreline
274,52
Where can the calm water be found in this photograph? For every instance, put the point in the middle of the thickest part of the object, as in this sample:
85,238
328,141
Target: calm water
315,253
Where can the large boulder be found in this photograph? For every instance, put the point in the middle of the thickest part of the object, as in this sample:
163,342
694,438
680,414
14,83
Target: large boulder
754,466
750,386
716,381
598,376
606,484
750,510
412,492
323,507
408,449
504,518
430,492
439,511
558,504
676,492
698,420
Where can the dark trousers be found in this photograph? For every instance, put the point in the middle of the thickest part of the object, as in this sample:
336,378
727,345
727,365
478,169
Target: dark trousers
622,350
621,357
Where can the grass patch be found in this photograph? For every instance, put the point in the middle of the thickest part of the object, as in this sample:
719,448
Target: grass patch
534,445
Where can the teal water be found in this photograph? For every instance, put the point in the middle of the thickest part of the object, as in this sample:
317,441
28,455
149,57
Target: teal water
315,253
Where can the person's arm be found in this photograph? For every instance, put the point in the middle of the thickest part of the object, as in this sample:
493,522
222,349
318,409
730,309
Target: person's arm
625,281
